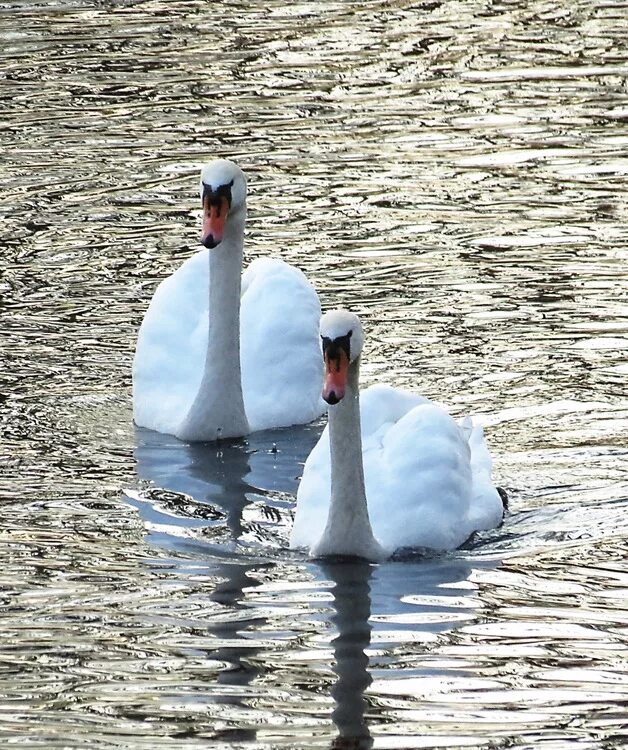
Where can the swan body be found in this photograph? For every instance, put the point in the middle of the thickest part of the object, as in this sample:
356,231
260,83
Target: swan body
221,353
426,477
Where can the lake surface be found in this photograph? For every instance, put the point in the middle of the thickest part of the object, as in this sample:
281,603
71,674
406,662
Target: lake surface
456,173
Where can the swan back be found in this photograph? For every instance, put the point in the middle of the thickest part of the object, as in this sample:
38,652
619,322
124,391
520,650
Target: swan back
282,365
171,346
427,477
279,347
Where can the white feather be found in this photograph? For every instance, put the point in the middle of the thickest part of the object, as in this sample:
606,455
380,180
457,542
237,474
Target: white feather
280,349
427,477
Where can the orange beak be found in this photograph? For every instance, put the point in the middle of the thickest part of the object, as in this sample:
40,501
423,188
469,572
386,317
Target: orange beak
336,371
215,212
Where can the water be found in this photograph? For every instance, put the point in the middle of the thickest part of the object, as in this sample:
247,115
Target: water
453,172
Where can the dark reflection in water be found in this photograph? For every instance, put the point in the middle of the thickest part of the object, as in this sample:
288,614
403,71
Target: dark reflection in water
208,485
352,605
240,670
207,475
369,598
269,460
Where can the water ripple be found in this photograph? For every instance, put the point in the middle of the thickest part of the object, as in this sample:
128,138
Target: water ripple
455,174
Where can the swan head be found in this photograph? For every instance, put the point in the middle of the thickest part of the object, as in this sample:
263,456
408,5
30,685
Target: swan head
223,193
342,339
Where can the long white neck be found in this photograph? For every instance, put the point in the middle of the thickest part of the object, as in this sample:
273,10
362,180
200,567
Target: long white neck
218,409
348,530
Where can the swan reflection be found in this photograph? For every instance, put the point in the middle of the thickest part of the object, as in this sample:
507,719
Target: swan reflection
352,605
238,652
198,487
374,606
381,614
219,479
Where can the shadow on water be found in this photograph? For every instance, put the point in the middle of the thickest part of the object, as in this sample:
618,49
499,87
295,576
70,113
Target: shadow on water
268,460
194,510
197,482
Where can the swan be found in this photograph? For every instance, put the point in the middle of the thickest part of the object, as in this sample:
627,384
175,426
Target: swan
392,470
221,354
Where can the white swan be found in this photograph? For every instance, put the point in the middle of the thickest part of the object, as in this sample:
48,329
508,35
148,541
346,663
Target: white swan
220,354
392,470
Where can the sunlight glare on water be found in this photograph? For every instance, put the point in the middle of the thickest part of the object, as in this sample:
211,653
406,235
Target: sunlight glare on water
453,172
